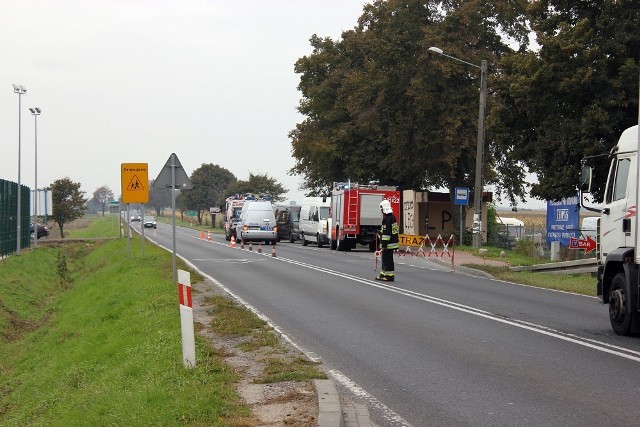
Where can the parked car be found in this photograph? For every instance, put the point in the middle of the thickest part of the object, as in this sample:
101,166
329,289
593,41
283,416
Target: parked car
149,221
257,222
43,230
288,221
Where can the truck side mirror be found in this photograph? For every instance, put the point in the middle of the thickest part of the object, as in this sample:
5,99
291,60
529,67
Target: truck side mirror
585,179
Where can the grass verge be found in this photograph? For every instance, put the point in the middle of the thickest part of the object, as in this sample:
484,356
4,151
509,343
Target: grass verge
101,344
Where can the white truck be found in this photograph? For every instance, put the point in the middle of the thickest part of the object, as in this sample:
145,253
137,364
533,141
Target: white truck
619,235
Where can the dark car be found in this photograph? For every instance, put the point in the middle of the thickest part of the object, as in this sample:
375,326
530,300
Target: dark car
288,220
43,230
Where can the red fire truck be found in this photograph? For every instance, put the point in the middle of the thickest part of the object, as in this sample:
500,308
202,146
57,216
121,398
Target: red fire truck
355,213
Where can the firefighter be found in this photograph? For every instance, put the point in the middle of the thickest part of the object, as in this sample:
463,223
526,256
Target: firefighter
388,242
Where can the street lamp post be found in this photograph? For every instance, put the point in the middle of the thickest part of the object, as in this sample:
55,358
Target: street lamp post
477,198
35,112
20,90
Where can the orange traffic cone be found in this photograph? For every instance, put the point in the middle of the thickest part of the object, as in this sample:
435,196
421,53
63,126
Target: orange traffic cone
233,242
273,250
259,247
202,235
250,245
209,235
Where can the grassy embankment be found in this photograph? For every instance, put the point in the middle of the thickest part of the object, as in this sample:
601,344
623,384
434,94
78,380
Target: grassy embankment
577,283
91,337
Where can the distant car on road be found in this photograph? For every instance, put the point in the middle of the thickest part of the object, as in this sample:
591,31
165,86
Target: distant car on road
43,230
149,222
136,217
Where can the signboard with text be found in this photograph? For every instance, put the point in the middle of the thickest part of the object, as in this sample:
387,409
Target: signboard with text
134,180
562,220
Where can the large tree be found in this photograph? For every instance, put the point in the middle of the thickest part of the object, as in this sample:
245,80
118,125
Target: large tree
210,183
378,107
68,202
258,184
103,195
574,96
159,198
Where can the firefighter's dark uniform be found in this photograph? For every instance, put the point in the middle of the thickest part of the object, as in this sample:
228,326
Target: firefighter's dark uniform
388,244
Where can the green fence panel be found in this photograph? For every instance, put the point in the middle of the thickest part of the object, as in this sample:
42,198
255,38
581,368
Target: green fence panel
9,216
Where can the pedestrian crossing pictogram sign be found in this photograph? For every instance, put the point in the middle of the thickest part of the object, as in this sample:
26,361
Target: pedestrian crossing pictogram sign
135,182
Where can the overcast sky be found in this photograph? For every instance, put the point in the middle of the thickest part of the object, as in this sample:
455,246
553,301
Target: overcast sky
131,81
128,81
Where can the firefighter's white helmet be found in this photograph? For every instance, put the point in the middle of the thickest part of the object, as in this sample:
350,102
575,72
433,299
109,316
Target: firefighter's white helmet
385,207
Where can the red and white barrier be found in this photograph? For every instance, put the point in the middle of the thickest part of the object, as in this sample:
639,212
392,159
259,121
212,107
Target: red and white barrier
434,249
186,319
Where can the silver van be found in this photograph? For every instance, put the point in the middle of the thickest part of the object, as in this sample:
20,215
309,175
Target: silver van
313,221
257,222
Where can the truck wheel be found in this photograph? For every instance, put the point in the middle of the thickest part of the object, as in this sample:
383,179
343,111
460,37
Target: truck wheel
332,244
619,310
228,237
372,246
304,242
318,241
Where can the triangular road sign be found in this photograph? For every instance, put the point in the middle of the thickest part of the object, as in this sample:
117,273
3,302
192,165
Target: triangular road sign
164,177
135,184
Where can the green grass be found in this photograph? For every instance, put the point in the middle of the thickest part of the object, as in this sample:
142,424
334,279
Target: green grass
297,369
104,348
100,226
578,283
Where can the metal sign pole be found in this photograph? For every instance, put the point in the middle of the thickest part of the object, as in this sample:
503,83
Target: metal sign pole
142,225
128,233
173,210
461,231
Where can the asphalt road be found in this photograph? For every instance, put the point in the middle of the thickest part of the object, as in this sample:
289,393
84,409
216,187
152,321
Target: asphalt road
434,348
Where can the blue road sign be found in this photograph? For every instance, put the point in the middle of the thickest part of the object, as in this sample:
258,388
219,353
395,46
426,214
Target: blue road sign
461,196
562,220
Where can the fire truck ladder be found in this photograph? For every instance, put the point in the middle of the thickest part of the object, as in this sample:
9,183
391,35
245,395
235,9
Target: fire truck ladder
352,207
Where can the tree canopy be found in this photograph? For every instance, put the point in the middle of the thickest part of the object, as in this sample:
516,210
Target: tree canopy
159,198
210,182
103,195
574,96
258,184
68,202
378,107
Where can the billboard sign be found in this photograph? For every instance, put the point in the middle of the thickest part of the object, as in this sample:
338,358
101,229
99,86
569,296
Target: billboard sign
562,220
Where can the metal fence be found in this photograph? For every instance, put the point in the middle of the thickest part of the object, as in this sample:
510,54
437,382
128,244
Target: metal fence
9,216
532,241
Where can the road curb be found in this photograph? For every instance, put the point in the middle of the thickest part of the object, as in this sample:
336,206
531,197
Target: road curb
329,410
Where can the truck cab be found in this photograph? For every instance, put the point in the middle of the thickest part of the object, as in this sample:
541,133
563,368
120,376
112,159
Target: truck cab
617,228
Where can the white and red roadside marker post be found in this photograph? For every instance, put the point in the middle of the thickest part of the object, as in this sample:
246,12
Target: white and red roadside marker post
186,319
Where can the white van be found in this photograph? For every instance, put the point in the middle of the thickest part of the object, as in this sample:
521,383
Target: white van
314,214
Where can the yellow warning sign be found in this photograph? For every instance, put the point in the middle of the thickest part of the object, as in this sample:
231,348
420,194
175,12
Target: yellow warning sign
410,240
134,181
